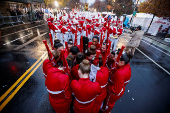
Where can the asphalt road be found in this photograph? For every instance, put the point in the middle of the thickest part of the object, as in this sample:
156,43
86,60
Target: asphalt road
21,56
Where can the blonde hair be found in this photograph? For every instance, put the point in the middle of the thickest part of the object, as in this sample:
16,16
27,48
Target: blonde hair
85,66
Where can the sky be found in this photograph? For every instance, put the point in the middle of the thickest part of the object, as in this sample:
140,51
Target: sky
92,1
88,1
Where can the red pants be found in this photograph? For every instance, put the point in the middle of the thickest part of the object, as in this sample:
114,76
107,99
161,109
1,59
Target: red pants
98,101
110,101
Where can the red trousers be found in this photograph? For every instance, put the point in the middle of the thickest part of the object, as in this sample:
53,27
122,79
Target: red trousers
98,101
110,101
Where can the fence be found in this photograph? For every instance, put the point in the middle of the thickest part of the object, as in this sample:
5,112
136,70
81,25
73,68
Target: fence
19,19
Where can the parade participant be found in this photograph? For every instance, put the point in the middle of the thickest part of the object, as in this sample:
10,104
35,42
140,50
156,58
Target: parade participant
118,81
85,44
91,52
58,46
103,49
135,40
56,55
70,60
99,74
84,90
57,84
73,51
74,70
70,43
112,59
95,41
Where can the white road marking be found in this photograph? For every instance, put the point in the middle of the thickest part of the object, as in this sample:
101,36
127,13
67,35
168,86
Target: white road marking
156,48
22,30
17,39
152,60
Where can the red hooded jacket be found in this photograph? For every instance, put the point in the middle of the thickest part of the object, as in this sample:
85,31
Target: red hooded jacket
102,77
85,92
57,84
74,72
116,86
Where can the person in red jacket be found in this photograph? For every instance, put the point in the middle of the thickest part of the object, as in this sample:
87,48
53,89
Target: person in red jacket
57,84
74,70
70,44
91,52
57,45
103,49
117,82
56,55
84,90
85,44
95,41
99,74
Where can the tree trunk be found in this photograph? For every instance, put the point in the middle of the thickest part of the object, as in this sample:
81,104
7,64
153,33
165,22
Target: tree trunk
150,23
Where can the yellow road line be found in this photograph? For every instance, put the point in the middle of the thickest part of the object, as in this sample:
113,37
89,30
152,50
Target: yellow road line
12,87
17,89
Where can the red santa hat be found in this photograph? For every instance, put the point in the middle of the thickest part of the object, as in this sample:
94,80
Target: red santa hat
96,31
105,18
60,26
73,30
79,29
104,29
81,22
69,24
64,29
97,24
105,23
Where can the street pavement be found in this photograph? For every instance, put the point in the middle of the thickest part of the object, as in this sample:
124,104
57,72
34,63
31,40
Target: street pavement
22,87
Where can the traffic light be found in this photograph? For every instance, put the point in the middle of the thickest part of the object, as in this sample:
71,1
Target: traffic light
86,6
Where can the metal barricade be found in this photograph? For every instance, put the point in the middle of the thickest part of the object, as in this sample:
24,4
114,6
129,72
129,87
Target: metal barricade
13,19
25,18
8,19
18,19
1,21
